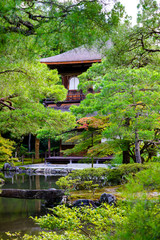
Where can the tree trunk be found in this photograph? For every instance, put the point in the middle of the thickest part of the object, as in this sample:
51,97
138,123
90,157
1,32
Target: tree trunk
137,149
125,148
126,157
60,148
92,146
37,143
29,142
49,147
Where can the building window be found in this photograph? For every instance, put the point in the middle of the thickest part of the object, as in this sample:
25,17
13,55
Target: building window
73,83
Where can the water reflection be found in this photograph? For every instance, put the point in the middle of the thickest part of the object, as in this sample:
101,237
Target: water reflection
24,181
15,213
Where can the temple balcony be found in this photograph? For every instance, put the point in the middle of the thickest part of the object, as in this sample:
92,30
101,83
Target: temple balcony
72,97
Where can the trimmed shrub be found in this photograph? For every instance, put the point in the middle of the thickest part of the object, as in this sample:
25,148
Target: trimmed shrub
101,176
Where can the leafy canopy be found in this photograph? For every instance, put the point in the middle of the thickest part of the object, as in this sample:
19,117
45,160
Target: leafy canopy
127,84
31,30
87,139
55,25
130,98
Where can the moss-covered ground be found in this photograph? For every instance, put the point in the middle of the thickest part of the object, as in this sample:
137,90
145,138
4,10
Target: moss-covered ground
88,194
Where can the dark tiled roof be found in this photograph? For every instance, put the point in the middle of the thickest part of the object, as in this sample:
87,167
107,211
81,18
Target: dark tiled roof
75,55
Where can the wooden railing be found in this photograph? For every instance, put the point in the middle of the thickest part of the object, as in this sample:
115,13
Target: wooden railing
65,160
74,95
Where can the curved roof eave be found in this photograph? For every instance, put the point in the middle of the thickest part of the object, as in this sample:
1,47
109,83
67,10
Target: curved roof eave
76,55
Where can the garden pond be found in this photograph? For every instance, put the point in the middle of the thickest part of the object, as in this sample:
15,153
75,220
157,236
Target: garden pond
15,213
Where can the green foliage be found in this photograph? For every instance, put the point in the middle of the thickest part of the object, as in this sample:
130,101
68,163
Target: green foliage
67,183
75,219
130,98
1,175
141,222
155,159
131,221
2,178
80,176
144,181
118,159
129,94
48,236
28,161
53,27
25,78
132,109
6,148
137,46
24,85
136,219
88,141
101,150
80,179
27,34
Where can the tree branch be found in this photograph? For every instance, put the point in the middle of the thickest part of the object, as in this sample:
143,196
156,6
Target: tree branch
13,70
4,101
147,89
147,49
8,97
18,22
6,105
137,104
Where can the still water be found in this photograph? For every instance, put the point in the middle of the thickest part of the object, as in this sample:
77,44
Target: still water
15,213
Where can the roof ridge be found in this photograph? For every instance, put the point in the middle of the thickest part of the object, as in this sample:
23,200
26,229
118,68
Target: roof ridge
80,53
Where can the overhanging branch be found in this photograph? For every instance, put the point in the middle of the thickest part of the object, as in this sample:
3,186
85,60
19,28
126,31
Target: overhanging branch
5,102
147,49
13,70
7,105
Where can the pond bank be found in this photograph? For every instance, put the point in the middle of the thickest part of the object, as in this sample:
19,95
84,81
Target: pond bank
60,169
72,166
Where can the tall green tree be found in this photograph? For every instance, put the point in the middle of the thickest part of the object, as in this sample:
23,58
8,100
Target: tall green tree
22,92
137,46
55,25
132,48
30,30
130,98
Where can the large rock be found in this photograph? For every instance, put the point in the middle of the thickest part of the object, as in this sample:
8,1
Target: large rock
9,167
83,202
50,195
107,198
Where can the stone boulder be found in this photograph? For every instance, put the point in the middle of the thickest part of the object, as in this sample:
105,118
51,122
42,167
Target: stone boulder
84,202
51,196
107,198
10,167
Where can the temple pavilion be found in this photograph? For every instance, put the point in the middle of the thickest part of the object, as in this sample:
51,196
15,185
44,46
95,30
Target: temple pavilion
70,65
